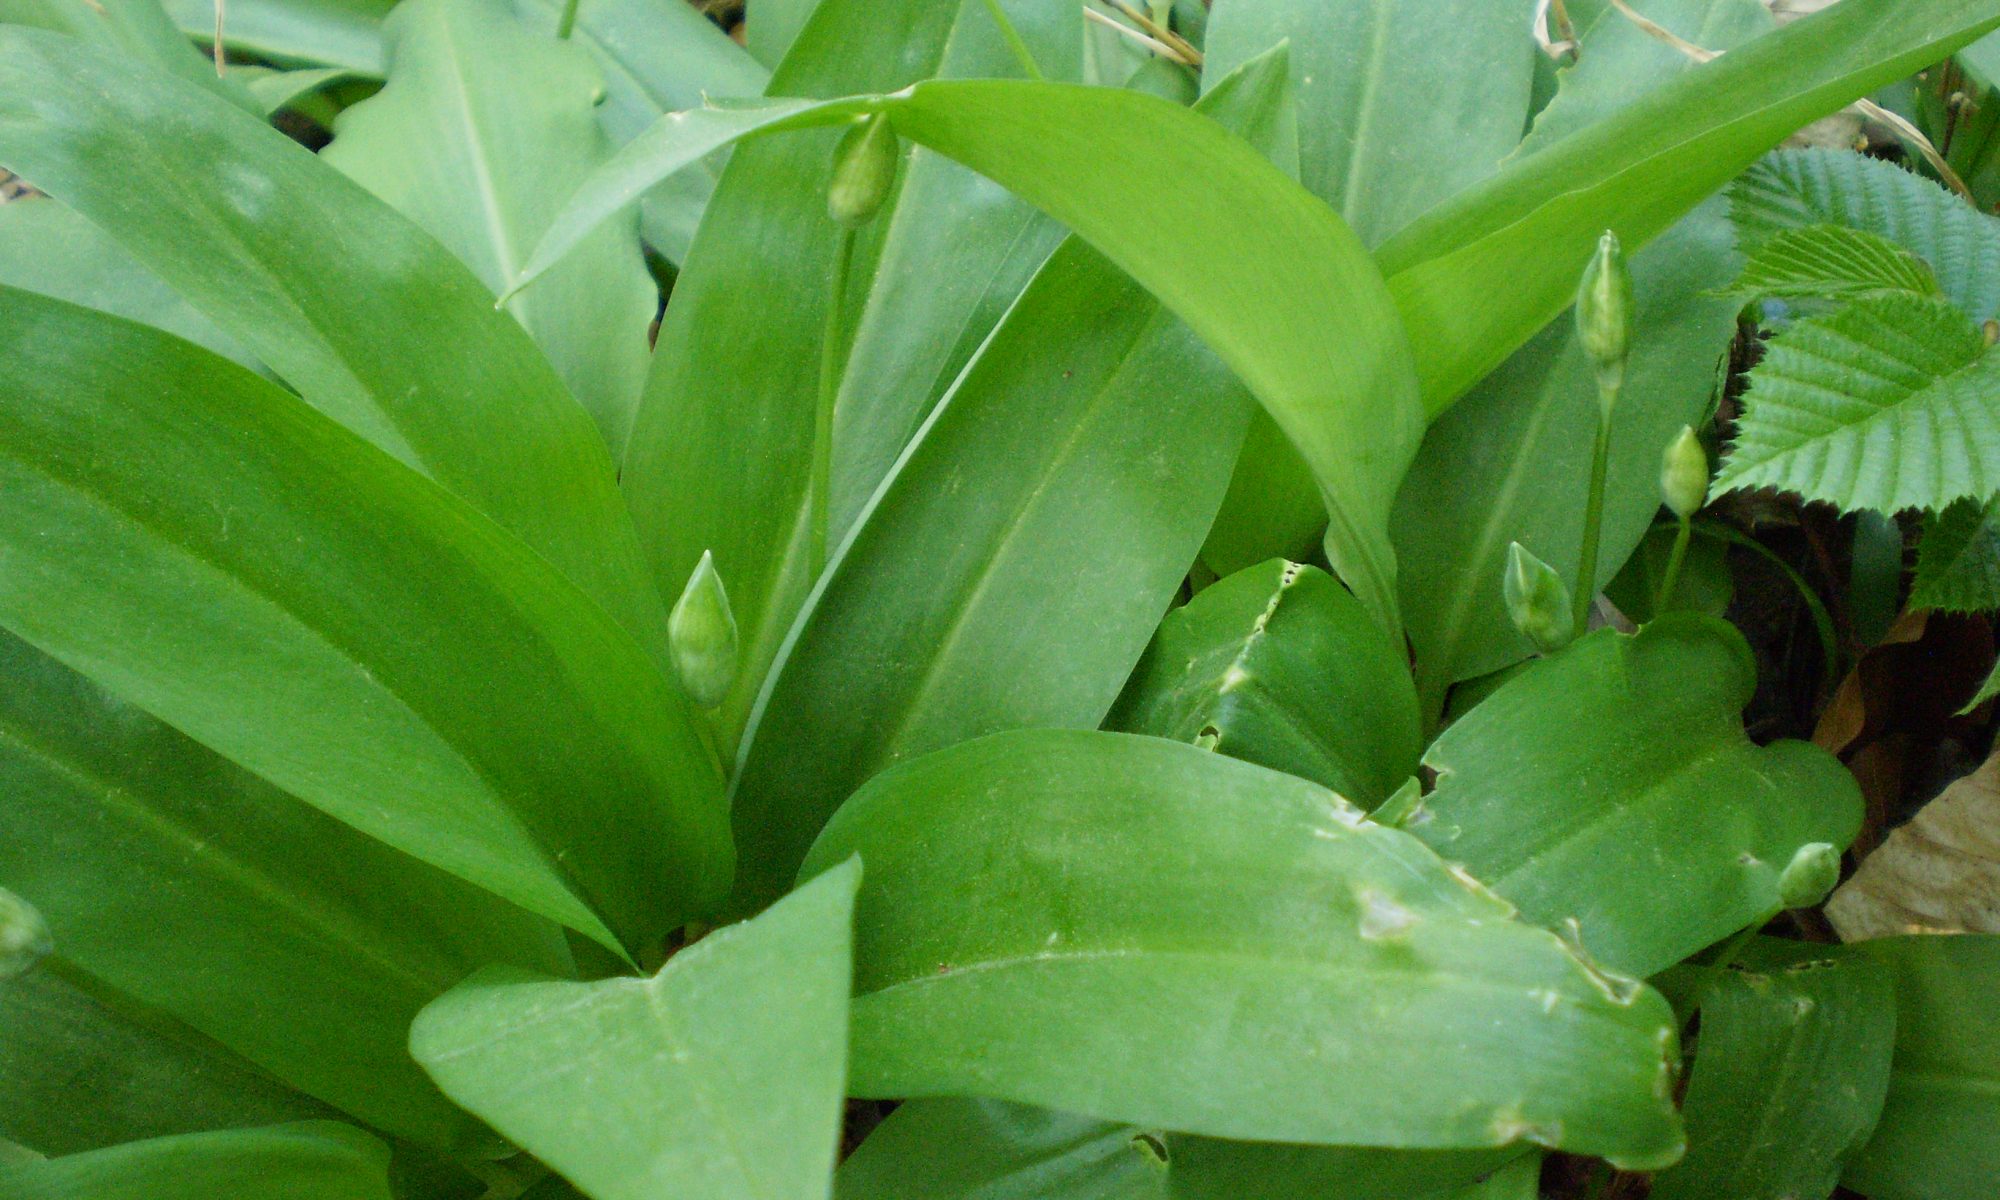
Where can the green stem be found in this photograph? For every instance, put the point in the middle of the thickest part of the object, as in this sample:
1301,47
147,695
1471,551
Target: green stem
1593,513
1015,41
567,25
831,362
1674,561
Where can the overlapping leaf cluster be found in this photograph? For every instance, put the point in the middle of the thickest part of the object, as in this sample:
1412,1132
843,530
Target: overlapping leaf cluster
360,837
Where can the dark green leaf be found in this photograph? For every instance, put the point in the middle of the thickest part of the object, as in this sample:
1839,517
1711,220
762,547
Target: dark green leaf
1280,666
268,926
1958,560
720,1078
311,1160
477,138
1478,275
1789,1077
1147,932
343,627
1613,785
353,317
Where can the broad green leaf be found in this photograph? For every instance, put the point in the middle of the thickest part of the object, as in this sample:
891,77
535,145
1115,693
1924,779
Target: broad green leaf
276,90
656,57
1511,462
334,33
1939,1136
139,29
309,1160
1796,189
719,1078
956,1149
772,27
270,927
1885,404
1619,62
46,248
1615,775
1789,1077
1832,262
339,625
1476,276
1958,560
1402,103
352,317
1093,427
87,1067
952,1149
1142,931
1278,665
720,454
477,137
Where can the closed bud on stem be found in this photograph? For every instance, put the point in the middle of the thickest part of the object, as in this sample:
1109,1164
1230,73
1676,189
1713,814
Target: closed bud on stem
24,936
701,635
1537,600
1806,880
864,168
1684,474
1604,313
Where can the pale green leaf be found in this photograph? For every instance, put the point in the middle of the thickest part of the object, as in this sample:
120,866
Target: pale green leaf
139,29
1604,780
270,927
1476,276
1958,560
278,90
1789,1078
1147,932
310,1160
1885,404
1280,666
1092,427
1939,1136
334,622
477,138
1796,189
1832,262
368,318
334,33
719,1078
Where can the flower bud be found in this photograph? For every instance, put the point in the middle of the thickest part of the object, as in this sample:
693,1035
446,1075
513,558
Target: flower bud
1604,313
24,936
701,635
1806,880
1537,600
1684,474
864,167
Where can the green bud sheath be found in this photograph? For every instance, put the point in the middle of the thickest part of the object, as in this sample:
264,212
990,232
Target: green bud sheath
1684,474
1814,869
701,634
1537,600
864,168
24,936
1604,313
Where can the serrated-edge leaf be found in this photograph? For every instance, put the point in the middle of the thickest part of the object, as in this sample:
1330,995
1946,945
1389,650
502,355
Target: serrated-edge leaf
1834,262
1958,559
1887,404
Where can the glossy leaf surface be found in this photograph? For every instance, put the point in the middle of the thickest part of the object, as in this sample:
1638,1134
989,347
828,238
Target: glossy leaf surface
1612,784
334,622
313,1160
1144,931
270,927
719,1078
1789,1077
476,138
1476,276
1280,666
351,317
1939,1136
